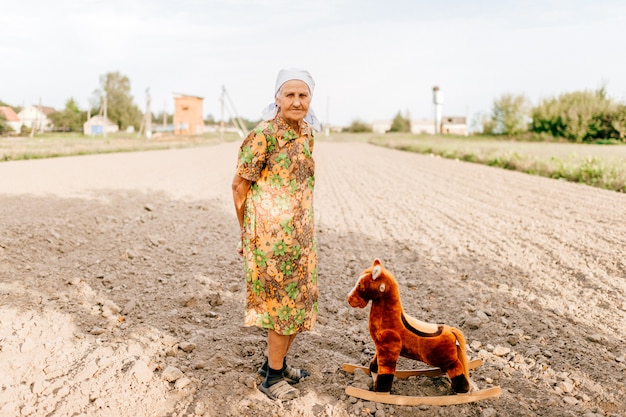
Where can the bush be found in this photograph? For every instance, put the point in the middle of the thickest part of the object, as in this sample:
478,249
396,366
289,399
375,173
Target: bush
358,126
5,128
400,124
582,116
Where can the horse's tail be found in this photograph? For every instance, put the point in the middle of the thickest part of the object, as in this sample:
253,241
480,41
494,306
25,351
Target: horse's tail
461,351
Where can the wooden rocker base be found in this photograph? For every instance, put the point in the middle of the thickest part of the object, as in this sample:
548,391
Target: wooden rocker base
404,374
387,398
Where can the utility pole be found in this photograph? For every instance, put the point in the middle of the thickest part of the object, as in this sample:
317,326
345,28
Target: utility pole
33,126
39,118
438,100
327,126
104,127
36,121
239,124
222,113
147,118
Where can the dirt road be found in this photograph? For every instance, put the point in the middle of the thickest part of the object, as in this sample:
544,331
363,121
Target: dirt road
121,292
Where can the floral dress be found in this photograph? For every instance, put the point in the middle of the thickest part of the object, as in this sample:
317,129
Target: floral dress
279,237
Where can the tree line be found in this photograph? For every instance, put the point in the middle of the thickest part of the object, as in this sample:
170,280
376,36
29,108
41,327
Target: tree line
580,116
121,108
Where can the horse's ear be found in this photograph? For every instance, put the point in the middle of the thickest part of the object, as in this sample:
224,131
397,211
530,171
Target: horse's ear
376,262
376,272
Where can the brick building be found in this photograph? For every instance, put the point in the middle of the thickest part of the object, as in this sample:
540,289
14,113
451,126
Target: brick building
188,118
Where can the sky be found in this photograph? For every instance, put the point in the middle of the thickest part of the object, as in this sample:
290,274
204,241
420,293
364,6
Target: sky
370,59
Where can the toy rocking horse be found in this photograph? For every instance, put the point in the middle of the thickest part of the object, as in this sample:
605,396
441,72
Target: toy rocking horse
397,334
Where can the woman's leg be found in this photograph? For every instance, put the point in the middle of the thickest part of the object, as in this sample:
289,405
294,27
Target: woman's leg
277,347
275,385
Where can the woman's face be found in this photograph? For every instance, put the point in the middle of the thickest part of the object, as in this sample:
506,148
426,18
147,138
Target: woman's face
293,100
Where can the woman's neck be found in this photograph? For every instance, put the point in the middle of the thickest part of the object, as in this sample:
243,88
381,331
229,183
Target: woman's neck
293,124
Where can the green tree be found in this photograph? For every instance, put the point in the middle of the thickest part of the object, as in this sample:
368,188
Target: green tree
4,127
120,107
401,124
510,115
70,119
159,117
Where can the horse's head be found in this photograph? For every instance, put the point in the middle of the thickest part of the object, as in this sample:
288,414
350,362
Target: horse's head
374,283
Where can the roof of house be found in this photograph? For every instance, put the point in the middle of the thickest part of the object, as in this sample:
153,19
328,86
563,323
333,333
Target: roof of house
454,119
44,109
47,110
9,114
181,95
99,120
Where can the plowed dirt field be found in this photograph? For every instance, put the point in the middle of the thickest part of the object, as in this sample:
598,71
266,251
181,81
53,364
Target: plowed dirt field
121,291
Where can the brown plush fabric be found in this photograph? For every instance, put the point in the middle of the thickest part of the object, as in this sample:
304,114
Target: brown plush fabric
394,336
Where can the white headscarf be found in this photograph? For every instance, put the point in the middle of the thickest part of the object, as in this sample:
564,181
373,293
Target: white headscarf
285,75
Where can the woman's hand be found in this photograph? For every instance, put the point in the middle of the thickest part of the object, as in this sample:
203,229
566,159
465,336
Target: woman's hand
240,245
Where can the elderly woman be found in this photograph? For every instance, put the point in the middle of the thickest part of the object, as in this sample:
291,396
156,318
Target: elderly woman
273,196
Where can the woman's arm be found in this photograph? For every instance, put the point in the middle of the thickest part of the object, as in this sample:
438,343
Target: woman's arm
240,191
240,187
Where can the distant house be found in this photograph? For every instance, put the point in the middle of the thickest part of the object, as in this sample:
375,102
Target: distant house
36,117
188,118
454,125
449,125
99,125
420,127
381,126
11,118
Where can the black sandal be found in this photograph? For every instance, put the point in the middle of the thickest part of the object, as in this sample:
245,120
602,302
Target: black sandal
294,375
280,391
291,375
